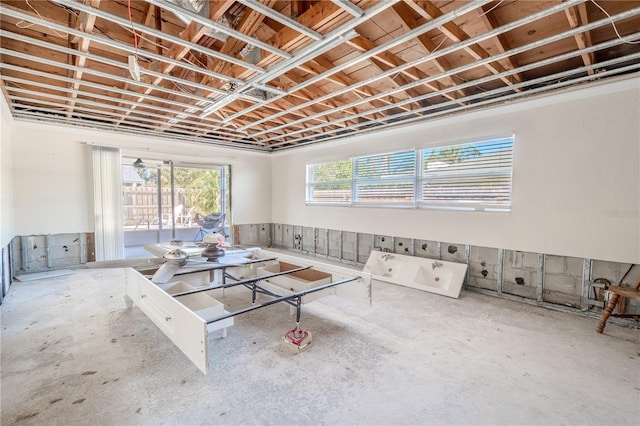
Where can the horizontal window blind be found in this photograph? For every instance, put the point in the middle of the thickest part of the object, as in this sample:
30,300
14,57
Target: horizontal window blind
385,178
329,182
470,175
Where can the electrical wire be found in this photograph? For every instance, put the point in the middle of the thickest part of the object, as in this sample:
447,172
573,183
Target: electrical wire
613,24
23,24
135,34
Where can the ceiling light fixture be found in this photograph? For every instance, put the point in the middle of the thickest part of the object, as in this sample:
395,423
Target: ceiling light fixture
134,68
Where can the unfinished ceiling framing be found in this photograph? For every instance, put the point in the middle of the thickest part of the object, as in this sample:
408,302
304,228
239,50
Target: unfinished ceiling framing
270,75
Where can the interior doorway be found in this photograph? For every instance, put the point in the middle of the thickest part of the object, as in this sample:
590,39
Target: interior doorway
164,201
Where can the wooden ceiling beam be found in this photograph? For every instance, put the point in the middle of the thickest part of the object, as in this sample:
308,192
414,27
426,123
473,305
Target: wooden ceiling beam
577,16
450,29
305,95
314,91
249,24
290,40
265,114
502,43
298,7
192,34
177,52
152,13
87,22
321,64
404,13
148,15
293,78
387,60
403,81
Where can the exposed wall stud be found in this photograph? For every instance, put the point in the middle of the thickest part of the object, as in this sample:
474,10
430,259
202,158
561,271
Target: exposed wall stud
326,232
467,256
357,255
500,272
586,284
540,276
23,251
83,248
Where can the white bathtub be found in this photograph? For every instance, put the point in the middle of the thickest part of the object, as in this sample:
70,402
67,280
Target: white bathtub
435,276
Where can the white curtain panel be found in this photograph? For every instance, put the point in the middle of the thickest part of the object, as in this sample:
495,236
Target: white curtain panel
107,201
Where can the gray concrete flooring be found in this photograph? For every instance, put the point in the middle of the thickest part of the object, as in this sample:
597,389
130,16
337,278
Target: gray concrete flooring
73,354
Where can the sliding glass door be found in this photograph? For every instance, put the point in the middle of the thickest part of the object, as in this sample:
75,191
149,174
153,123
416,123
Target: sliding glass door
165,201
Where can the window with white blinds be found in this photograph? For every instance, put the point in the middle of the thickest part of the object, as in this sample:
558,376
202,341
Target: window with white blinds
470,176
385,178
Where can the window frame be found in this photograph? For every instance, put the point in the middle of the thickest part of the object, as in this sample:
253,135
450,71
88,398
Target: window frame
310,185
420,178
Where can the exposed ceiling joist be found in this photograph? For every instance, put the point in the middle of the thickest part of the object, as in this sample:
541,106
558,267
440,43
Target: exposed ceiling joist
276,74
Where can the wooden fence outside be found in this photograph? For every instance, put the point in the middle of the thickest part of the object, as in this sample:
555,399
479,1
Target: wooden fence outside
140,204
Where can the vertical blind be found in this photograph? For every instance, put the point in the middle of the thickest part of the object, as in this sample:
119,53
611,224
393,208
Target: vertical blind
473,176
107,202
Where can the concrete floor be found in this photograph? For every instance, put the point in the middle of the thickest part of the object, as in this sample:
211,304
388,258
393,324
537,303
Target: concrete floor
72,354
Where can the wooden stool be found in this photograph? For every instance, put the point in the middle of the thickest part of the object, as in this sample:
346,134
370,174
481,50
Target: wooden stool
618,294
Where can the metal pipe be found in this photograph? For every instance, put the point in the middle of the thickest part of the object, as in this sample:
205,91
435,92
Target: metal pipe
298,309
159,189
282,299
173,203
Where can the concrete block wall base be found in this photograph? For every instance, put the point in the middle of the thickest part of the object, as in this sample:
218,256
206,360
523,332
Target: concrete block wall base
561,282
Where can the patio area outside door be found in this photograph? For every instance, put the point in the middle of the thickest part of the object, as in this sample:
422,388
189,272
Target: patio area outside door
156,211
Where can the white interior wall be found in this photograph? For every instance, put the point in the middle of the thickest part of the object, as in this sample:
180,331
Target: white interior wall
576,180
52,177
6,176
